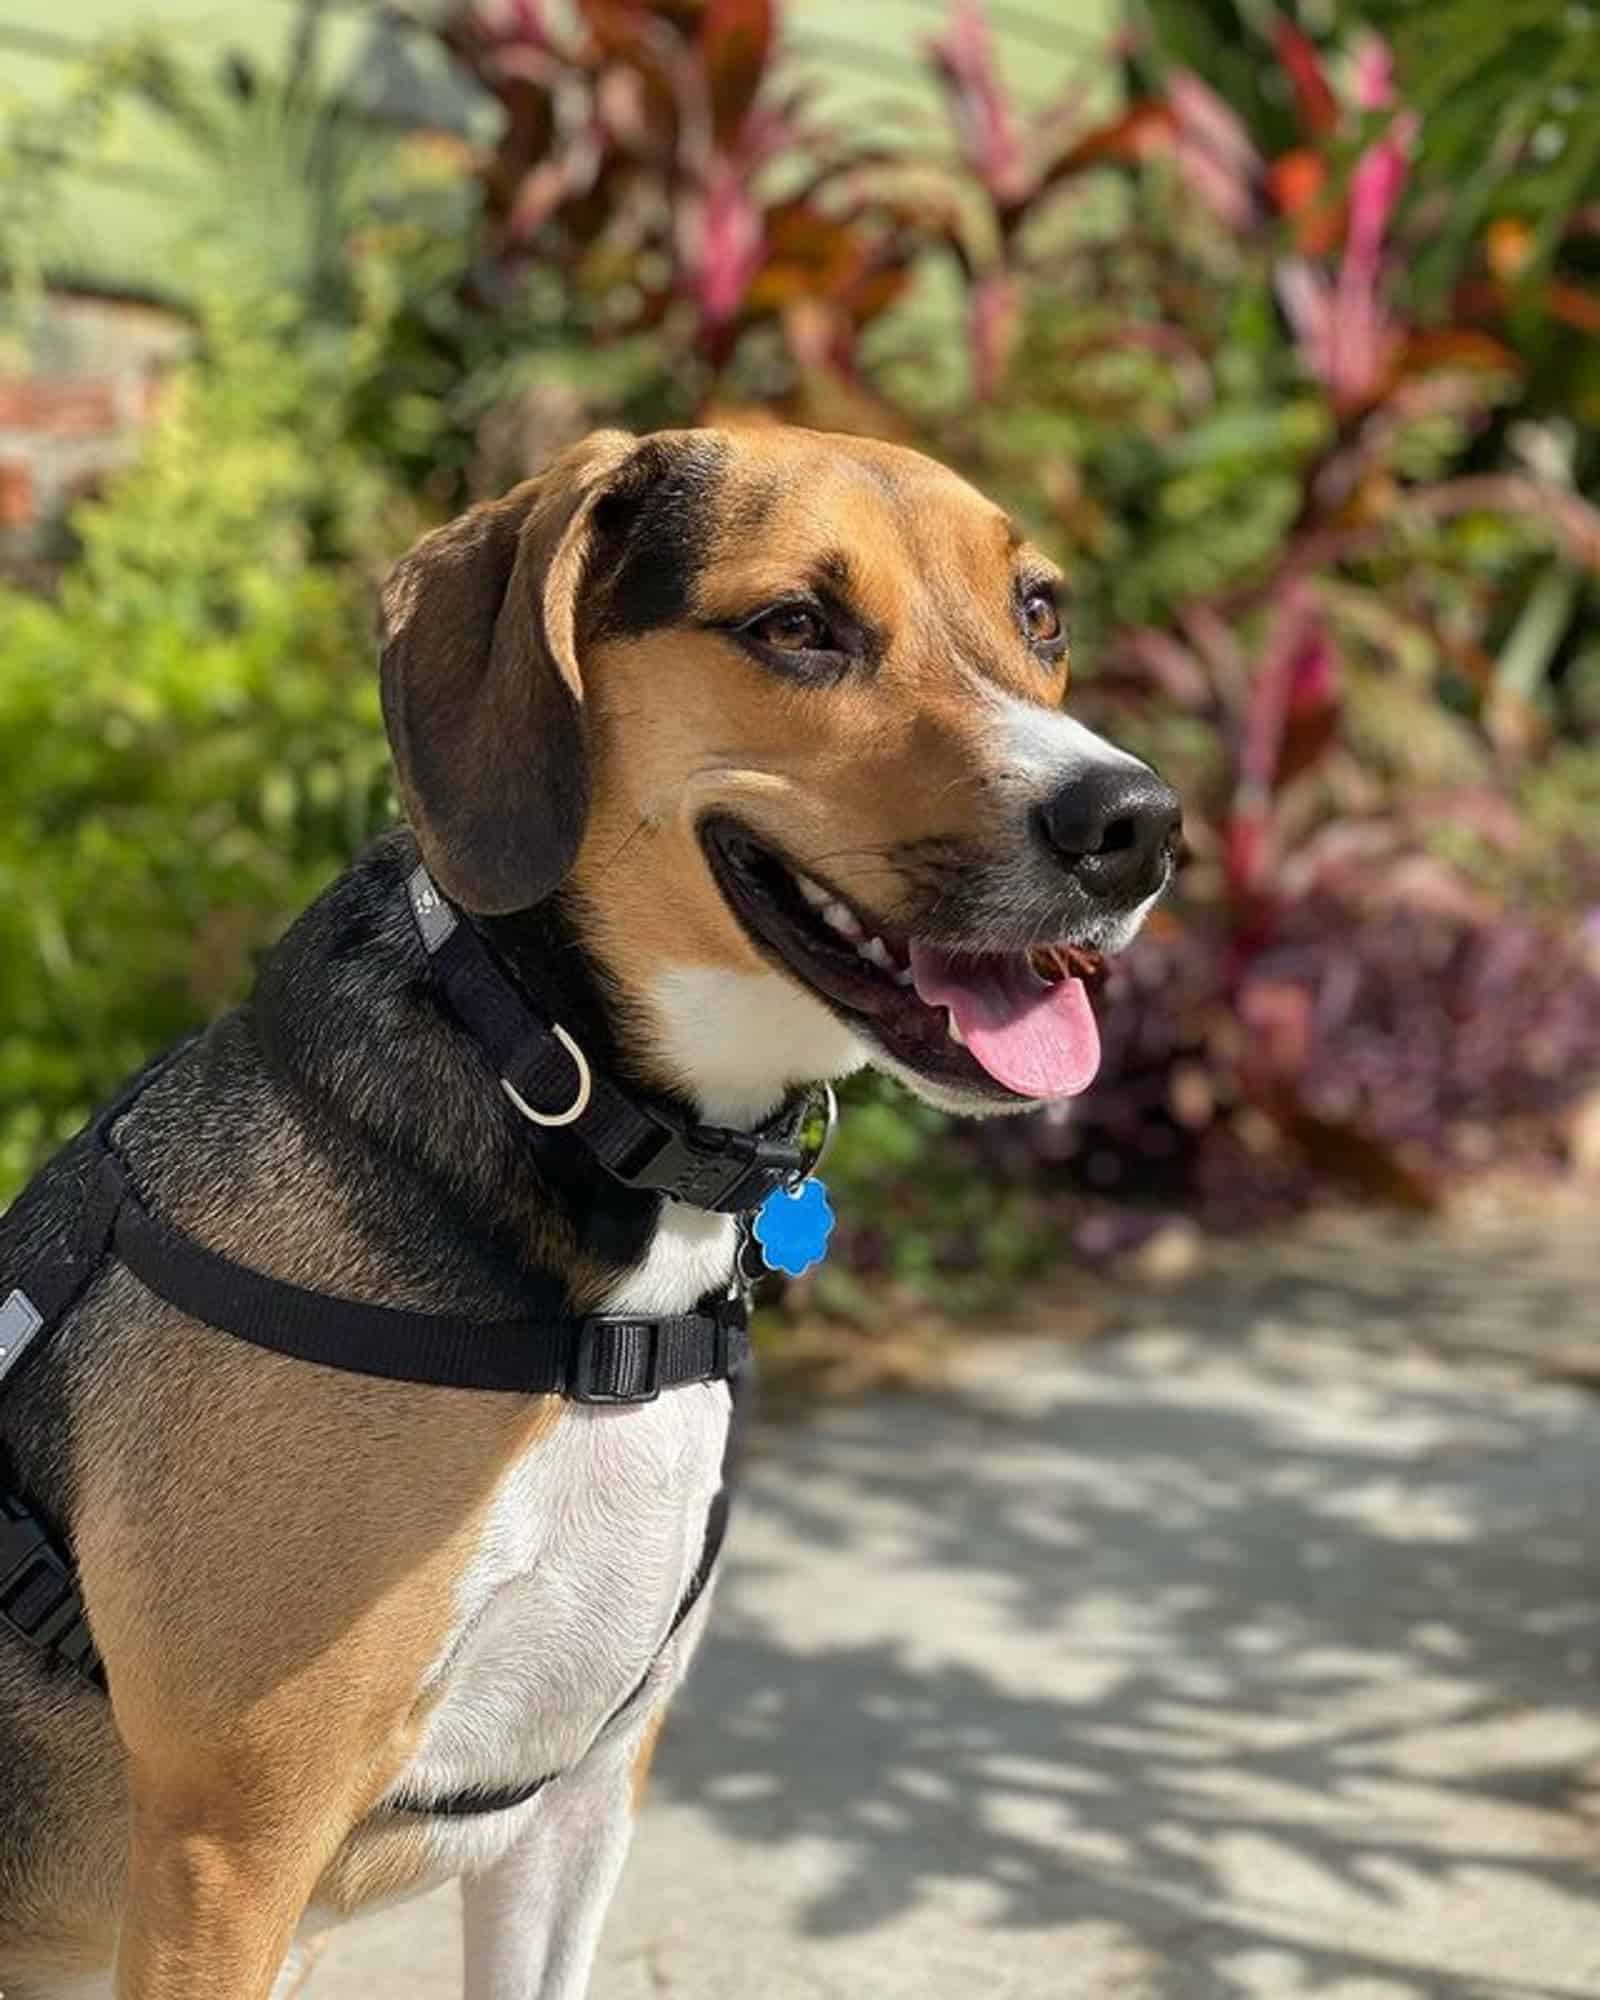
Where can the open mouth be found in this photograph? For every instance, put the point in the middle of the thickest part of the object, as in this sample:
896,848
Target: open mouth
1014,1024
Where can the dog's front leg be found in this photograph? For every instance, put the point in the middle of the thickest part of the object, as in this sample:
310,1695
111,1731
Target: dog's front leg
533,1920
216,1888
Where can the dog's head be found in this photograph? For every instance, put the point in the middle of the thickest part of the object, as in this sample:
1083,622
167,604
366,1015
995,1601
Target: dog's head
781,714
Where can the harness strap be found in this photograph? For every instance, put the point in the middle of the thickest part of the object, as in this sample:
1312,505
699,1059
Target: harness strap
612,1358
601,1358
552,1082
50,1289
469,1804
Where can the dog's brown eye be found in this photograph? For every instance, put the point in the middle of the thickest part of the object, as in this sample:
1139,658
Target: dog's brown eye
1041,617
791,628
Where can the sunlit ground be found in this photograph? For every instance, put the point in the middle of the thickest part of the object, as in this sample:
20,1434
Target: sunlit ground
1250,1656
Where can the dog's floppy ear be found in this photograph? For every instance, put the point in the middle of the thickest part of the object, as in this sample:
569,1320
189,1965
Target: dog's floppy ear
482,693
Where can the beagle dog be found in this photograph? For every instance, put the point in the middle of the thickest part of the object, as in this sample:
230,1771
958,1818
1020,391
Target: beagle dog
746,752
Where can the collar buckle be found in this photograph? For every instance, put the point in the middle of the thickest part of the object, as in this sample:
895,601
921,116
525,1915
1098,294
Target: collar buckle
739,1173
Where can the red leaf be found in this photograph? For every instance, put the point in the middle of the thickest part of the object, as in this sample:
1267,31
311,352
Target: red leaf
1574,306
476,31
1143,129
1427,352
719,244
1277,1014
1315,101
1376,184
1244,850
1297,181
1308,735
735,46
552,183
1291,696
1372,74
808,255
993,323
1169,666
620,25
877,290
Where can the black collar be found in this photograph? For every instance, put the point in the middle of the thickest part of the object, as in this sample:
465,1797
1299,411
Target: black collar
553,1083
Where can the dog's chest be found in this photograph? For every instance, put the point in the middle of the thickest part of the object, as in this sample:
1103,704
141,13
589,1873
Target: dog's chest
584,1555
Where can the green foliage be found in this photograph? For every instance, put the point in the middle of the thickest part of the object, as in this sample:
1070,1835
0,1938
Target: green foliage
913,1216
1543,853
280,177
1319,511
1510,94
1164,464
38,142
189,729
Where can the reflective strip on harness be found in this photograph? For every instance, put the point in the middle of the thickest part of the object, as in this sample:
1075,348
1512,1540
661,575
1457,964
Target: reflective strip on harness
20,1320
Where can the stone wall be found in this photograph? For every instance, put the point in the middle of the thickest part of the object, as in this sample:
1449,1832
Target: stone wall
74,394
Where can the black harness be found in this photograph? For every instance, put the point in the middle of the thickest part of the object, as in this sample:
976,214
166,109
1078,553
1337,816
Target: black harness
612,1358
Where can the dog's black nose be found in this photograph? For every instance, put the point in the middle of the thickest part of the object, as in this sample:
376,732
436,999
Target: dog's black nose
1115,828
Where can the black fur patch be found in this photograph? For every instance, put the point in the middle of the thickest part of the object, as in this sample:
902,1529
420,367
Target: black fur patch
386,1061
654,533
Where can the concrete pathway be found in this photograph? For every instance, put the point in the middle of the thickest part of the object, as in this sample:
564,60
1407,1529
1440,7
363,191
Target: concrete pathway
1252,1656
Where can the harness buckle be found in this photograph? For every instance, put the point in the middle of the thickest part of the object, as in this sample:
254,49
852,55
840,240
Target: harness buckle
38,1593
617,1360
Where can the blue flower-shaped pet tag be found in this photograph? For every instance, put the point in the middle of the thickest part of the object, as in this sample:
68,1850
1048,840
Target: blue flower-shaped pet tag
792,1226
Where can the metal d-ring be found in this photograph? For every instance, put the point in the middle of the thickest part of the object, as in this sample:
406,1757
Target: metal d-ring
579,1104
830,1115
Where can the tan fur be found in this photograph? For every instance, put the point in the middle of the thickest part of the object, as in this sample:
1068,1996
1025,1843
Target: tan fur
67,1925
260,1727
645,1757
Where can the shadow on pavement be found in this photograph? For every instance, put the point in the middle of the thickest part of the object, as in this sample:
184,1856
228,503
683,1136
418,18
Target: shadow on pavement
1283,1668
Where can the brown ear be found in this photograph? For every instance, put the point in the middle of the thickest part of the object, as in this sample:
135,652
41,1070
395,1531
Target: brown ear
482,693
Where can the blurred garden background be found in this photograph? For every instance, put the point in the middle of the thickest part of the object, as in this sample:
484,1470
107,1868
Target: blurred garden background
1278,325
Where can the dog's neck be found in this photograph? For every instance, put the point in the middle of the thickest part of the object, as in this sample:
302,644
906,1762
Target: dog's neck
350,1018
739,1042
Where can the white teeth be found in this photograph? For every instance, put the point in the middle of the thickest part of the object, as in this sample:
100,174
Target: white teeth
841,918
904,976
953,1029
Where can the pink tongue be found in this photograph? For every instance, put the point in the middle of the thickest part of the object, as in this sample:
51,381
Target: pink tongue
1036,1038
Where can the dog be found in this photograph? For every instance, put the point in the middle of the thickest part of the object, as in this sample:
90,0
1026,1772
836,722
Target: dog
746,753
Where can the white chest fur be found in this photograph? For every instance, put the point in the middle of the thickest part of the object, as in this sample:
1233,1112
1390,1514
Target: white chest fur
585,1553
